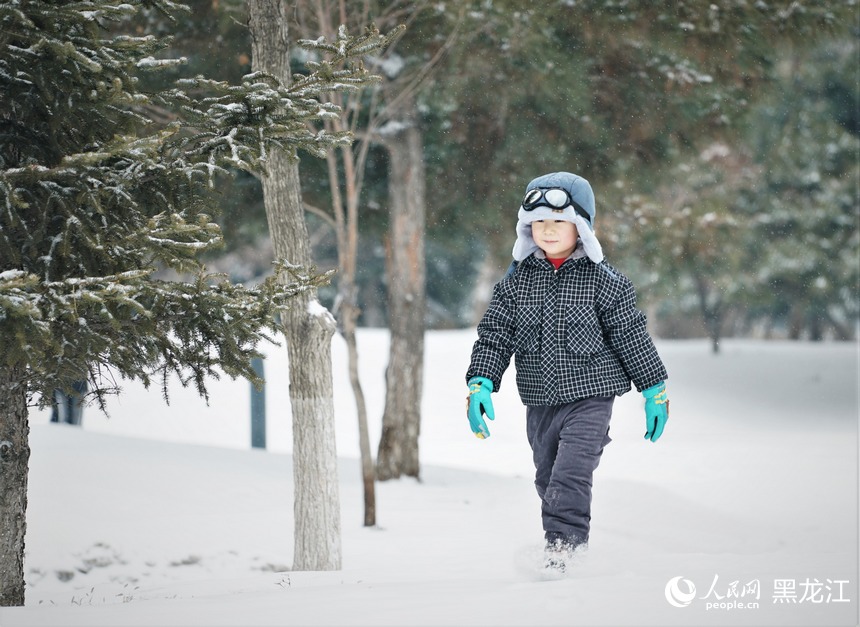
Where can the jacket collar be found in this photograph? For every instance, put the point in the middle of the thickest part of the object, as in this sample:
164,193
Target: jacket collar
539,255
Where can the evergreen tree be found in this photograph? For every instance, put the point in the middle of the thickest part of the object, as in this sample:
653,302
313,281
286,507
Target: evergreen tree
615,91
807,203
103,182
765,229
692,238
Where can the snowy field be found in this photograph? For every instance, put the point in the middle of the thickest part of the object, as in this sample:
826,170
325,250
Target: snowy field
744,513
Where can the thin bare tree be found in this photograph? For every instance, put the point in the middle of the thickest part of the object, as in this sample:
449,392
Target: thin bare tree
385,115
345,186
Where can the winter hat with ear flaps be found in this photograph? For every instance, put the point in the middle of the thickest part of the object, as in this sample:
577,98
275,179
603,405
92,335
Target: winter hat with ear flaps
557,196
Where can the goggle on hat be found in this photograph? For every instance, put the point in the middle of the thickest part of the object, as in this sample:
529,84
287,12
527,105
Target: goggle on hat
557,196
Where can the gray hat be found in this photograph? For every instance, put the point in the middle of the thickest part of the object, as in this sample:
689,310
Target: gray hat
557,196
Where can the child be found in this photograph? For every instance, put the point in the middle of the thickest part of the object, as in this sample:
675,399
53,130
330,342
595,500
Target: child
571,321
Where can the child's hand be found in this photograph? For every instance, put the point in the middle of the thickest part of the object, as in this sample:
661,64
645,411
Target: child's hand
656,411
479,402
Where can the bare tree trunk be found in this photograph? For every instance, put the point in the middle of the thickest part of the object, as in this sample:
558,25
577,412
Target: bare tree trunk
712,314
401,421
307,325
348,312
14,458
368,475
795,322
345,205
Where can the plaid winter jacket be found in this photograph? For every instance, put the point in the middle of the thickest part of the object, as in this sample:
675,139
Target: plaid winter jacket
575,333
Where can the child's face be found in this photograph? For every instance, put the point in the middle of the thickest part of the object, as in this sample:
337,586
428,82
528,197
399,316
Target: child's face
556,238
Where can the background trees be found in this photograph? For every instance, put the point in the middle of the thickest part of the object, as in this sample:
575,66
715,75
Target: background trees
673,111
758,234
388,125
105,179
656,104
630,94
805,207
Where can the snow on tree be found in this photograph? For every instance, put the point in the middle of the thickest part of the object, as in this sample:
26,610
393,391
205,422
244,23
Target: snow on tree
765,229
102,183
808,201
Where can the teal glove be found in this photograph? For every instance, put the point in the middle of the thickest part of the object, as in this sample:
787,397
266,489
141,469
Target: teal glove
656,411
479,402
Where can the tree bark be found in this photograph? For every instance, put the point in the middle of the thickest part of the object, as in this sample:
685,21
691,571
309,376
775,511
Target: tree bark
349,310
368,474
711,313
346,227
14,459
345,193
401,421
307,325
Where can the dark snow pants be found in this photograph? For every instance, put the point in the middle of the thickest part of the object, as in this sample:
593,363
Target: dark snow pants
567,442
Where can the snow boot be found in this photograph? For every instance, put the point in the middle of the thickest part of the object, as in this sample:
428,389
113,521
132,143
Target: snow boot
559,554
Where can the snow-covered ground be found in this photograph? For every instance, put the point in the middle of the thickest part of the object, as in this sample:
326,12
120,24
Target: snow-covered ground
162,515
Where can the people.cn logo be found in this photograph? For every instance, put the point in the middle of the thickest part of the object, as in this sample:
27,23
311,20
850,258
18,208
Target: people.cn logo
680,592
